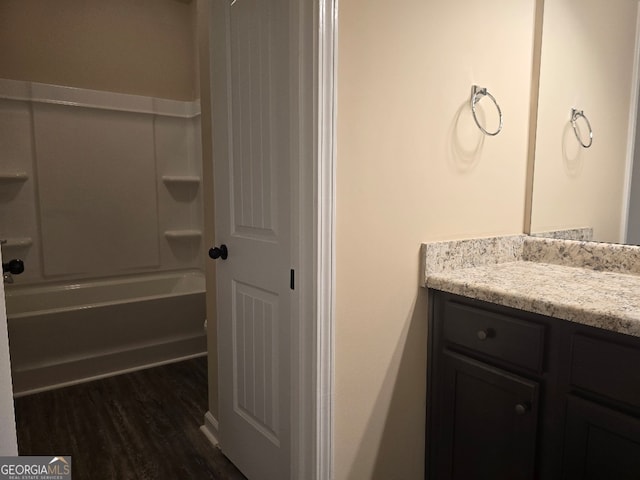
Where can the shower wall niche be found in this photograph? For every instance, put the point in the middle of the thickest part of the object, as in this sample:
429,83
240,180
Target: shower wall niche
98,184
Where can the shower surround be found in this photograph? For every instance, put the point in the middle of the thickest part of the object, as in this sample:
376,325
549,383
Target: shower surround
93,186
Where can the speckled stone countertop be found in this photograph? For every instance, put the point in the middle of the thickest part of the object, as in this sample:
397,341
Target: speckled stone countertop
584,282
583,233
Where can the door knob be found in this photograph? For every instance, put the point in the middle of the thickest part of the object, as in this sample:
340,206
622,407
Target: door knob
14,267
219,252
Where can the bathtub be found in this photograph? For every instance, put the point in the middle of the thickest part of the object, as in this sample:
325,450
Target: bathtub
65,334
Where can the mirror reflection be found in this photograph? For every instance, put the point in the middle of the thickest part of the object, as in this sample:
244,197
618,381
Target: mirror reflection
588,64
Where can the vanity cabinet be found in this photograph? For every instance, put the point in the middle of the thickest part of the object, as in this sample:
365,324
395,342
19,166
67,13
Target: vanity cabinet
489,421
600,442
602,438
515,395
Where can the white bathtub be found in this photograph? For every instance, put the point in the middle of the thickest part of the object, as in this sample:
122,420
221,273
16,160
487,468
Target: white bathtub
65,334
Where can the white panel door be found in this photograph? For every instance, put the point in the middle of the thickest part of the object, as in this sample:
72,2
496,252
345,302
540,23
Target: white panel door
252,164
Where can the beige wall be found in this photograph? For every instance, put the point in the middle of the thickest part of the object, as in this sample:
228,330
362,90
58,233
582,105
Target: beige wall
587,62
413,167
144,47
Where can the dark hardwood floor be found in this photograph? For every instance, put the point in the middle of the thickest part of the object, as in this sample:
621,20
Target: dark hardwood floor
139,426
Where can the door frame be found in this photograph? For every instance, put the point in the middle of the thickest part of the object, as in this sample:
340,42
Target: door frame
327,64
312,422
8,435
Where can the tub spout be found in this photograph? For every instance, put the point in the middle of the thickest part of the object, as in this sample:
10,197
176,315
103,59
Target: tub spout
15,267
11,268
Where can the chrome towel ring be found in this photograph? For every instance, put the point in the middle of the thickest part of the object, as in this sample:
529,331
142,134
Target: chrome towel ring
476,94
575,114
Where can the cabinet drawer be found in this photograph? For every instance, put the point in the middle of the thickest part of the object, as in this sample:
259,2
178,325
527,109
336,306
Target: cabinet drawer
606,368
516,341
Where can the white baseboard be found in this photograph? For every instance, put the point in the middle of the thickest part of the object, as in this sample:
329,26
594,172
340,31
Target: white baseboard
210,428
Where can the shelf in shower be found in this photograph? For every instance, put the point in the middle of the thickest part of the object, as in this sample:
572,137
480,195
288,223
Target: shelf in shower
182,234
181,179
18,242
13,177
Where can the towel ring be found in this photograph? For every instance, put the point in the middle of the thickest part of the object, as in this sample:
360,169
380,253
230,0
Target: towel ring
575,114
476,94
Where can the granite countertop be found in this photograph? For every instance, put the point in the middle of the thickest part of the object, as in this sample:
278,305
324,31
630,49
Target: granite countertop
583,282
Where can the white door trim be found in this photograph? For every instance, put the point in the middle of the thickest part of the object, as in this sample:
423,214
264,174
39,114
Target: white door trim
326,181
312,456
8,436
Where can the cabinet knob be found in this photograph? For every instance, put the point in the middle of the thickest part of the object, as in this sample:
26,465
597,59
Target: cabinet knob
486,333
523,408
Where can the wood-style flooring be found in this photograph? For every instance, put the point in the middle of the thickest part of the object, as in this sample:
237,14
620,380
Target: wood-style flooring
139,426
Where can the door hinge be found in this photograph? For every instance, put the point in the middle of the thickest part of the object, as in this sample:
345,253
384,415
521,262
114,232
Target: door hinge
292,280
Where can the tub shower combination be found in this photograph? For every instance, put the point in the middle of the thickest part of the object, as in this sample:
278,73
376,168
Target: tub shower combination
100,196
64,334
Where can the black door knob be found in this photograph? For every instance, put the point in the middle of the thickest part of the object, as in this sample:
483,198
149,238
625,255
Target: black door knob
14,267
219,252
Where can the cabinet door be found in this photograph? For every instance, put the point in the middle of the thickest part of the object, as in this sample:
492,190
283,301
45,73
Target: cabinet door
600,443
488,424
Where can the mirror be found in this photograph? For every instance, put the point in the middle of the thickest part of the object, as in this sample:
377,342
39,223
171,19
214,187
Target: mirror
588,61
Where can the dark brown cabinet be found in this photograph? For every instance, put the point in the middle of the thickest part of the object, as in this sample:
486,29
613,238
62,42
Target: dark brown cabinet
514,395
600,443
489,421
